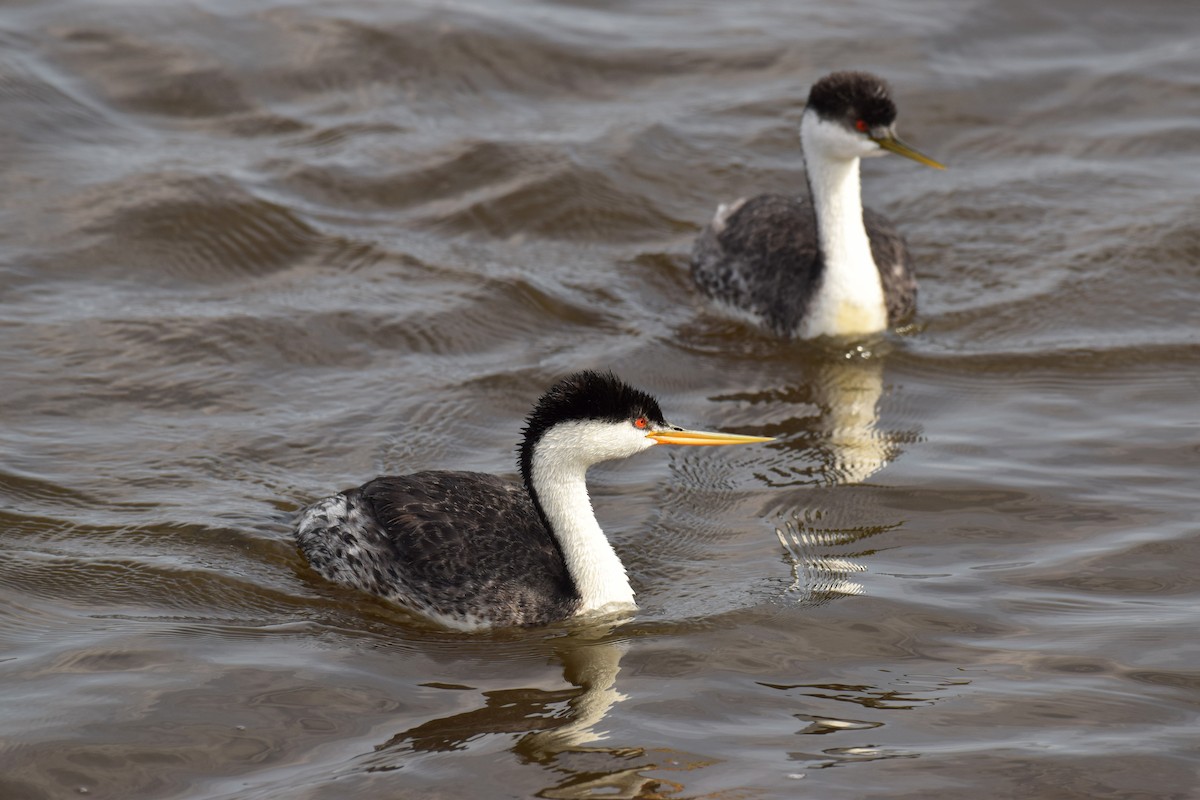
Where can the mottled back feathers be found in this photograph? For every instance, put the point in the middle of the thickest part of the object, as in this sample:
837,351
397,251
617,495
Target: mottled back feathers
764,260
461,546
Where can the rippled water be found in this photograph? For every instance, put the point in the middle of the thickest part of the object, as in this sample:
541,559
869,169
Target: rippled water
254,252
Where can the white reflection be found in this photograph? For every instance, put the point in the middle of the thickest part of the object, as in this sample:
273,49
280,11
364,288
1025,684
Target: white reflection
848,391
816,574
551,723
592,666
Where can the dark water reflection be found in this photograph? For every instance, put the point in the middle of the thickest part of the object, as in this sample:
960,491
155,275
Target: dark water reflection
253,252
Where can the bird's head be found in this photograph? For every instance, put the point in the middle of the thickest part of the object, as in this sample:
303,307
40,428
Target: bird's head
851,115
589,417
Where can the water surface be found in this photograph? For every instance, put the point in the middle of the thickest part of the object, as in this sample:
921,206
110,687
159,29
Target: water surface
251,253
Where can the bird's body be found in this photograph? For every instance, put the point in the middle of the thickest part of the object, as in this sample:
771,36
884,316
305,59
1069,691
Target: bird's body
471,550
825,265
773,229
443,544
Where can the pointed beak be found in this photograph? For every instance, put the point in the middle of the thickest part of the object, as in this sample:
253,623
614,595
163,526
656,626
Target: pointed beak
680,436
890,142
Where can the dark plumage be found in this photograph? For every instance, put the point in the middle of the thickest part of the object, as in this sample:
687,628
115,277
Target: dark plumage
457,545
850,96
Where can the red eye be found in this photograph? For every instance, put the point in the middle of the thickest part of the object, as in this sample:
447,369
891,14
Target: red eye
862,126
640,422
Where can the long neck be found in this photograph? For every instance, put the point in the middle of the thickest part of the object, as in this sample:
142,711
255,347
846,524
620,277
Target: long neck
849,297
557,481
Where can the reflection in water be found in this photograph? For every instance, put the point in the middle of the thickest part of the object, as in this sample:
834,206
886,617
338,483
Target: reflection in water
846,387
845,440
906,692
826,417
820,560
848,391
555,724
817,576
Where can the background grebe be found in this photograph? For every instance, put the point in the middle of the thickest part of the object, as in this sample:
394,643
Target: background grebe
471,550
822,267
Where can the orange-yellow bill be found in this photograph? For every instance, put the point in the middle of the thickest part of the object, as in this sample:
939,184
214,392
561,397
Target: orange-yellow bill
679,436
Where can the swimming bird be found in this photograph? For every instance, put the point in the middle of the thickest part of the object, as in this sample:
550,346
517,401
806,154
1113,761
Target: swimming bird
470,550
825,265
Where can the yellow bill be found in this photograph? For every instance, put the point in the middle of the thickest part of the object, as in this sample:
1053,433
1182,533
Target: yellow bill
680,436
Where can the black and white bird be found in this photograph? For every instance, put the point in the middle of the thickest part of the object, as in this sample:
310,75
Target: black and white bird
824,265
471,550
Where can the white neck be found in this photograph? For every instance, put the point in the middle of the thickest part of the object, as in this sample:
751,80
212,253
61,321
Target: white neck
558,476
849,297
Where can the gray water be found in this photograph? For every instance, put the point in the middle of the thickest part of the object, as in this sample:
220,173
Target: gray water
252,253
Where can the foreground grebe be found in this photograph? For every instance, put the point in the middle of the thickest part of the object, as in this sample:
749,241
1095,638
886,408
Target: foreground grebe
470,550
822,267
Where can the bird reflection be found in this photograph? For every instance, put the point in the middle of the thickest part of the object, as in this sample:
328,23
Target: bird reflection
827,424
553,723
823,556
593,669
827,418
848,391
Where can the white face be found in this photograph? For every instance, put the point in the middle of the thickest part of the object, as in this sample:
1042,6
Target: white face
834,142
587,442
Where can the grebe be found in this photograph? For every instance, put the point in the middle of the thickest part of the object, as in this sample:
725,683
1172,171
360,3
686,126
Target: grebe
471,550
827,266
